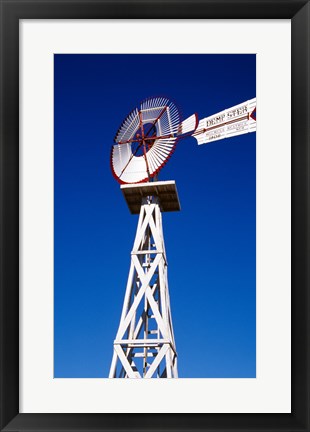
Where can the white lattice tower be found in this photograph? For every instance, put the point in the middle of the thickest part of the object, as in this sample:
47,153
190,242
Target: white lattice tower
144,346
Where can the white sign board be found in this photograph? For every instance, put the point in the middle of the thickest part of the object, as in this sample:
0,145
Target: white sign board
237,120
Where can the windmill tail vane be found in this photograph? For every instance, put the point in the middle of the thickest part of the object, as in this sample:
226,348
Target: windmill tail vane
237,120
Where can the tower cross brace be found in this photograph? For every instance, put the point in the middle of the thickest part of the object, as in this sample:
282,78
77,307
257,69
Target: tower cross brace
144,346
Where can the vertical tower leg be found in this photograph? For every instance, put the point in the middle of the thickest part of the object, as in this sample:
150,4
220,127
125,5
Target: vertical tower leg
144,346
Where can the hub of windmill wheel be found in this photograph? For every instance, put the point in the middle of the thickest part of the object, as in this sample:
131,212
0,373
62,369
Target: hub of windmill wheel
143,139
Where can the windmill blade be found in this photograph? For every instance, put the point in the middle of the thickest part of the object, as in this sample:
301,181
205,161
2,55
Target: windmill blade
237,120
128,127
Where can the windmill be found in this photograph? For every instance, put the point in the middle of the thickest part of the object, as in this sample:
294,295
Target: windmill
144,346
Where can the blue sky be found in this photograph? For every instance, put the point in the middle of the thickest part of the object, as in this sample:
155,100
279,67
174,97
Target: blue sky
210,244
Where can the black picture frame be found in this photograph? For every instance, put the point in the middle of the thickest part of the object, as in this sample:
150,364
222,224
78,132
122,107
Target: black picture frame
11,12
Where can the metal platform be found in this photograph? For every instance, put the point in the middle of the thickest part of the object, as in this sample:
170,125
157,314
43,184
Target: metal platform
166,192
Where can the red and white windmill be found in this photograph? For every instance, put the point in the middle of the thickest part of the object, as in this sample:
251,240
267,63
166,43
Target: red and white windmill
144,346
148,135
